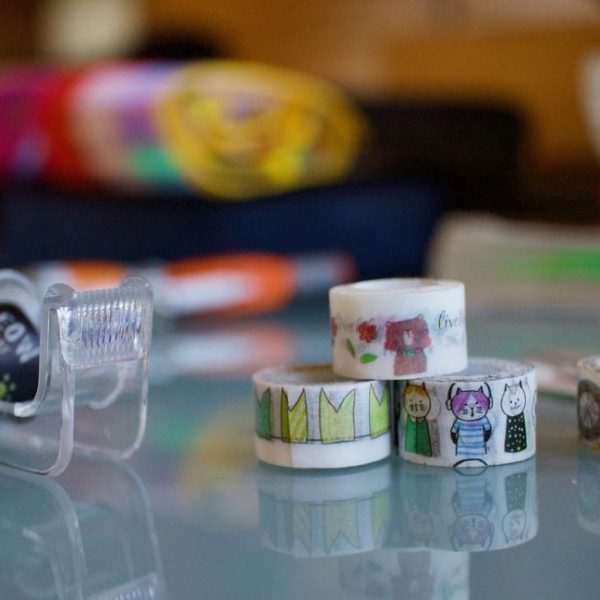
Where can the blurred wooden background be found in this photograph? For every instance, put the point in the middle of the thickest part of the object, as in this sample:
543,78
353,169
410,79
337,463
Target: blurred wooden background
523,53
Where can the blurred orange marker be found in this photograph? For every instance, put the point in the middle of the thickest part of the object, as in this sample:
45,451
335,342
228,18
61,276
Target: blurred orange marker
235,283
81,275
232,284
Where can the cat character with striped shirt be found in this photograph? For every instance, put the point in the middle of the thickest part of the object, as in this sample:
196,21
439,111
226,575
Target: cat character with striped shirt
471,429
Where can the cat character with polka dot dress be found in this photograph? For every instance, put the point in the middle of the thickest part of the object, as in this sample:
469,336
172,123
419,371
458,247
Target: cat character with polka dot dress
513,406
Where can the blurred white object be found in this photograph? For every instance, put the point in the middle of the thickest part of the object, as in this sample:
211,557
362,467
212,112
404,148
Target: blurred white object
80,30
555,369
515,264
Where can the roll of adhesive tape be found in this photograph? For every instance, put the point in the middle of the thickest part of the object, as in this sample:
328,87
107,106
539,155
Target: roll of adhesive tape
484,415
19,337
588,401
588,492
398,328
309,418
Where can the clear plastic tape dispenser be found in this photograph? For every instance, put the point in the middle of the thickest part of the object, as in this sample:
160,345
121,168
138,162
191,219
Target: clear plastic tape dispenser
92,386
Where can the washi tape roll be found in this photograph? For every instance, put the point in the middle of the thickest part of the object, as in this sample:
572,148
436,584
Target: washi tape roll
466,510
484,415
398,328
588,401
325,513
309,418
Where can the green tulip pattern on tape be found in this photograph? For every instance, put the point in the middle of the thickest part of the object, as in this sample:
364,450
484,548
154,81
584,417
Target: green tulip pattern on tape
335,424
294,421
263,415
379,412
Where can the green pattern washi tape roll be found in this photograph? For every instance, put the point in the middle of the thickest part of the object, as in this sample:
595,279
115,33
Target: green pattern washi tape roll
307,417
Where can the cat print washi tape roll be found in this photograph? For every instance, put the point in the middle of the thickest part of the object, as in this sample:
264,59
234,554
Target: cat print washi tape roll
466,510
398,328
325,513
484,415
588,401
309,418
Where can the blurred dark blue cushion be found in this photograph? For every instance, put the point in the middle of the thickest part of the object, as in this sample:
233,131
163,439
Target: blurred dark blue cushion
386,226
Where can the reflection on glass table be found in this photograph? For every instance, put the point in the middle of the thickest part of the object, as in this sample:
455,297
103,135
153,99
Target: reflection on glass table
232,528
325,514
399,530
406,574
466,510
588,492
78,537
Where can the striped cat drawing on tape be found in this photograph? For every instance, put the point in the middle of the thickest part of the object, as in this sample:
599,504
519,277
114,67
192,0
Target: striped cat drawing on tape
408,339
471,429
472,503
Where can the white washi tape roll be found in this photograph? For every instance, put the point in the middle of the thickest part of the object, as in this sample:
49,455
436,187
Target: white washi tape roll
325,513
467,510
398,328
484,415
309,418
588,401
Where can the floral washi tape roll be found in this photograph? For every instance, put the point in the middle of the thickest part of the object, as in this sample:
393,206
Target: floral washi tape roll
484,415
309,418
398,328
588,401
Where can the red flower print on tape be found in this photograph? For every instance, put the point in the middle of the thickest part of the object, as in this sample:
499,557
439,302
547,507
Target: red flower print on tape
334,327
367,332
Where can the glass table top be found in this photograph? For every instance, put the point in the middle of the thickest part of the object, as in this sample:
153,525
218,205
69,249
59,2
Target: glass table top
193,515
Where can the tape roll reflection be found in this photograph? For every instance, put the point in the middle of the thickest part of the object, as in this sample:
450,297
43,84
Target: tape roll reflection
484,415
307,417
391,574
471,510
588,493
398,328
325,513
